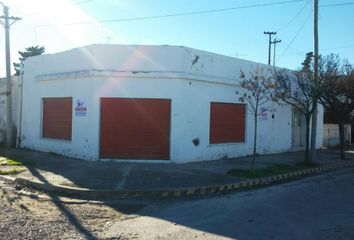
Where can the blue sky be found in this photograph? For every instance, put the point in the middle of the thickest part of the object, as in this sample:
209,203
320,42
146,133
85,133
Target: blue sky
237,32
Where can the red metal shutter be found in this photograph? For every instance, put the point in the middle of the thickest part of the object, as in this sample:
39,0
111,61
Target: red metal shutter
227,122
135,128
57,118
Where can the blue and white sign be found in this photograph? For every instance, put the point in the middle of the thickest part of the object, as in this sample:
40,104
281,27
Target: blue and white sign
80,108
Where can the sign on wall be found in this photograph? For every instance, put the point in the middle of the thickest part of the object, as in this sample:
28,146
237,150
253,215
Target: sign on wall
263,114
80,108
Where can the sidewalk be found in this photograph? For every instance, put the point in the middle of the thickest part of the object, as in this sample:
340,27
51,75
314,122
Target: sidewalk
122,176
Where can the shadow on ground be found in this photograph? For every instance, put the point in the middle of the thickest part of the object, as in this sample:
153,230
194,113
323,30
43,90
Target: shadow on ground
49,168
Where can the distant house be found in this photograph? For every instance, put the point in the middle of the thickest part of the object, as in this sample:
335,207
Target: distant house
164,103
331,132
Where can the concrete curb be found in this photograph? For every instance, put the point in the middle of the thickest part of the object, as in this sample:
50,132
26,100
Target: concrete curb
176,192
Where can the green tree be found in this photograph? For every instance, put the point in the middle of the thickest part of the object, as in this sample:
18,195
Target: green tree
29,52
258,86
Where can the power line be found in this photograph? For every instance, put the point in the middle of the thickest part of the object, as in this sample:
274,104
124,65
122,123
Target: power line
326,5
336,4
292,40
177,14
296,15
299,53
341,47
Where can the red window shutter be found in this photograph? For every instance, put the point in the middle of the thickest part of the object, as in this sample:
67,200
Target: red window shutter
227,122
57,118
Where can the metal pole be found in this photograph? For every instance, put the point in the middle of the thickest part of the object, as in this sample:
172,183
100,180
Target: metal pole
9,123
315,55
19,132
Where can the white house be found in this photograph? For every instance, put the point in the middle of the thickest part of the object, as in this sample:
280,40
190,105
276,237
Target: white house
165,103
331,134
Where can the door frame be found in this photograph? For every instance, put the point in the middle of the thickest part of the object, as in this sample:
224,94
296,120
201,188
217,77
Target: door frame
302,129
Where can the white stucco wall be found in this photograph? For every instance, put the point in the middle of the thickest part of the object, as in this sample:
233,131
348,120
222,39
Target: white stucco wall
190,78
331,134
15,91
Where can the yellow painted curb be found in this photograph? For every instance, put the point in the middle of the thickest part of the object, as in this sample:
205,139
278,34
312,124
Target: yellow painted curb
165,193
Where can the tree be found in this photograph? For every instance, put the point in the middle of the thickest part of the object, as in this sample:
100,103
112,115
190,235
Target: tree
298,90
307,66
337,92
258,86
29,52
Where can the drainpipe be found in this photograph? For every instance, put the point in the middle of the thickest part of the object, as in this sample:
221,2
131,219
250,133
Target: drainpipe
18,138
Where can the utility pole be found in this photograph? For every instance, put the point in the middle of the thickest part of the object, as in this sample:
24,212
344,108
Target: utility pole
315,56
270,44
275,42
6,24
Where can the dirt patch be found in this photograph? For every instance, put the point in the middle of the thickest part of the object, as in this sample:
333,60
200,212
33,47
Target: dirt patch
11,170
41,216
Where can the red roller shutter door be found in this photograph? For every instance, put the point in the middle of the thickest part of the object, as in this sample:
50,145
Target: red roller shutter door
135,128
227,122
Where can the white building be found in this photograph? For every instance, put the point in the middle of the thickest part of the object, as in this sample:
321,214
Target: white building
331,134
148,103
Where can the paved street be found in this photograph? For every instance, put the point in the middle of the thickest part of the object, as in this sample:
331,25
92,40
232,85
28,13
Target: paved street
319,207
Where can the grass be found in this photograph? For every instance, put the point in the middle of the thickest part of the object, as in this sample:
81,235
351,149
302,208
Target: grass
9,162
4,161
270,171
10,166
11,171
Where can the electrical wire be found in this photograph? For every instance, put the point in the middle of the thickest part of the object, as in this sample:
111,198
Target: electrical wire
177,14
296,35
321,50
296,15
334,48
326,49
336,4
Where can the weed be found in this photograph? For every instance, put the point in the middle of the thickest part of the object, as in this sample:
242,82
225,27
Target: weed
9,162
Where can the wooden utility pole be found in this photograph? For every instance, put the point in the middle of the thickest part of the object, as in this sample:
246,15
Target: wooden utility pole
315,56
270,44
9,124
275,42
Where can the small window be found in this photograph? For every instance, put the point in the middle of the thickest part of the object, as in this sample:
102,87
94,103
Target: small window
57,118
227,123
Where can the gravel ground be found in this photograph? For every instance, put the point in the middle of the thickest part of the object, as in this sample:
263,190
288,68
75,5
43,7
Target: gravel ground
25,216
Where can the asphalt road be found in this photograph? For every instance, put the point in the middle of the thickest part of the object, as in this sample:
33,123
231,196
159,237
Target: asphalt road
319,207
